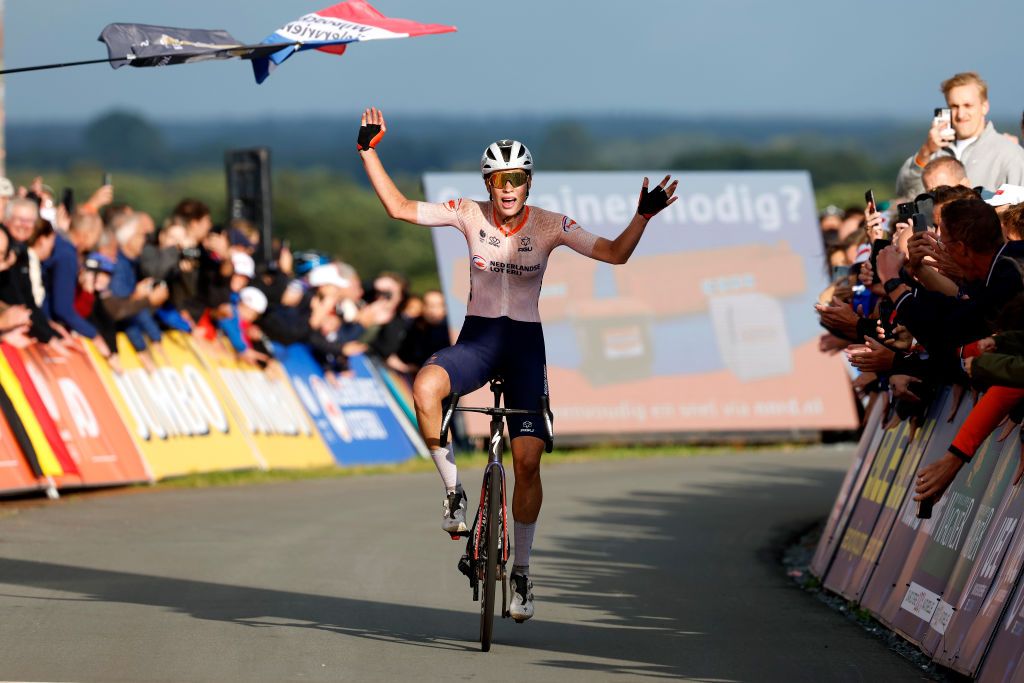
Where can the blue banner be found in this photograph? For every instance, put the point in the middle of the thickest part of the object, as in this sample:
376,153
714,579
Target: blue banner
352,411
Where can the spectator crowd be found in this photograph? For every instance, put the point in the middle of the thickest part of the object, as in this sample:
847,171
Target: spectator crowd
104,268
928,288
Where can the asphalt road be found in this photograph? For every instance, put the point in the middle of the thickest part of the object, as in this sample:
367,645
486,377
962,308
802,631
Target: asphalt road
655,568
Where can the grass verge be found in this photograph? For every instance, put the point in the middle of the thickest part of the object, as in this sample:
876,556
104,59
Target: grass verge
470,460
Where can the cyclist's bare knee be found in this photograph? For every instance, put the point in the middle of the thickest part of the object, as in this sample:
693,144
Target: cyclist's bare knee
431,386
526,455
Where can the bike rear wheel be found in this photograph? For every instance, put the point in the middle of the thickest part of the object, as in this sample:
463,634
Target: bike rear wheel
491,564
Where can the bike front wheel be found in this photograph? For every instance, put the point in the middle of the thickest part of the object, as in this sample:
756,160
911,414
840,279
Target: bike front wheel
493,531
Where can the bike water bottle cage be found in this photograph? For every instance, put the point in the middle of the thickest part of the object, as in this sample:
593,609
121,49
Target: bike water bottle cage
651,202
498,179
369,135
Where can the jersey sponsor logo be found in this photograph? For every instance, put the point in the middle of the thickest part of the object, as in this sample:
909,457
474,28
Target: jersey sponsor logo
510,268
527,427
568,224
494,242
480,262
524,244
453,204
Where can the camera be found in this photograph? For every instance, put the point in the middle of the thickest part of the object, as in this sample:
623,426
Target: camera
191,252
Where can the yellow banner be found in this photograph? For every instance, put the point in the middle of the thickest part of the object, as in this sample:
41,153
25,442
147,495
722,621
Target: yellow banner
169,402
267,408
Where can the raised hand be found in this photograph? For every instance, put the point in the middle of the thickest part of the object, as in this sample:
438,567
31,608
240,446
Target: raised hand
657,199
371,129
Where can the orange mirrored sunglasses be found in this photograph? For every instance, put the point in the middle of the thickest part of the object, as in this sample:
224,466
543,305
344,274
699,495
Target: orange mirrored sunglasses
498,179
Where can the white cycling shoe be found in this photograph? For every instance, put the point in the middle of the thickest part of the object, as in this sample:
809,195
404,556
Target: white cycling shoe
521,588
453,520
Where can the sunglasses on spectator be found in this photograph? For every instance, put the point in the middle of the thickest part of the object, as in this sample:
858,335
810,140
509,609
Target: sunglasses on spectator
498,179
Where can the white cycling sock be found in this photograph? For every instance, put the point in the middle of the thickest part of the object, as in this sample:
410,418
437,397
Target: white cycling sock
444,460
523,544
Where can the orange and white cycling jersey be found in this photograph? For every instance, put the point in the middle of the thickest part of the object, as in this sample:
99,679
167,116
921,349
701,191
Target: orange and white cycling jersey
507,264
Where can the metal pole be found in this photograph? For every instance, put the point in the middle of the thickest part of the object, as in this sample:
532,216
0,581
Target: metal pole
3,100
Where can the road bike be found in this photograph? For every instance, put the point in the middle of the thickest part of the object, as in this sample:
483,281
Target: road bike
487,547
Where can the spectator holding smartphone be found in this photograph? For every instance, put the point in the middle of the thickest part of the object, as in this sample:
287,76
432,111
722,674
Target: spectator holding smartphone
989,159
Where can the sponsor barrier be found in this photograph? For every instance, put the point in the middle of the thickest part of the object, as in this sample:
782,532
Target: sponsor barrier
49,465
354,412
181,424
19,468
86,419
950,584
849,492
185,406
266,406
726,272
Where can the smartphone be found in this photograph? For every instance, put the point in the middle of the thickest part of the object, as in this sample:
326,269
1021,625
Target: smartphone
869,200
840,272
920,222
926,206
946,116
108,179
924,508
877,246
905,211
67,199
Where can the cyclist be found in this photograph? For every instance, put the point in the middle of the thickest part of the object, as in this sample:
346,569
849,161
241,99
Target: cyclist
509,243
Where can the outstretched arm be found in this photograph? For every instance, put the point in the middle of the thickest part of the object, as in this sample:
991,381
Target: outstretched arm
618,250
371,130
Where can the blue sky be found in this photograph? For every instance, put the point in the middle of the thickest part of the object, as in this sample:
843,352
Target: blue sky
677,57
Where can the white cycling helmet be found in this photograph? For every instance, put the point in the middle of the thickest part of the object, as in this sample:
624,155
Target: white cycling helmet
505,155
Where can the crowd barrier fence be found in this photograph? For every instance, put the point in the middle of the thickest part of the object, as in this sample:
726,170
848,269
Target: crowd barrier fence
70,421
951,584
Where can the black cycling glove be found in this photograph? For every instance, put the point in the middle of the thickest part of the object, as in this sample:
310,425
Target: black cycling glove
652,201
369,135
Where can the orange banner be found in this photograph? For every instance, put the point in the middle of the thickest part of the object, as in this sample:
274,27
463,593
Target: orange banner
15,472
86,418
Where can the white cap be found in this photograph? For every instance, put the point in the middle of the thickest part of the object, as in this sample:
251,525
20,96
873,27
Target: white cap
254,299
1006,194
326,275
863,253
243,264
6,187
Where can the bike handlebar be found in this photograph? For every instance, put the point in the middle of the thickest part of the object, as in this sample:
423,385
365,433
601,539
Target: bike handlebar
545,411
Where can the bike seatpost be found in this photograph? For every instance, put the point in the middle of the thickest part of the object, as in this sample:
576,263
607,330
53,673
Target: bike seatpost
497,387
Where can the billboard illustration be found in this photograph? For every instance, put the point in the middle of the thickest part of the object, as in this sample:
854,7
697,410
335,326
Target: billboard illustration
708,327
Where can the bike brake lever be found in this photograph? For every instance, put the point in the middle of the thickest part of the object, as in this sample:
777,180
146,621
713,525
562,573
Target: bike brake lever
446,422
549,424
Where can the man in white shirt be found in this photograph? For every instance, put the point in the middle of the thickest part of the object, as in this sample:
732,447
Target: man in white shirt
989,158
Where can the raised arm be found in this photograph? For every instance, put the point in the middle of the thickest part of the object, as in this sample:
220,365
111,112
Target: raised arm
371,130
618,250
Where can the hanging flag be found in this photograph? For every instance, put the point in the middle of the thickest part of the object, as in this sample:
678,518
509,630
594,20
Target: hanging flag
331,29
328,30
146,45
